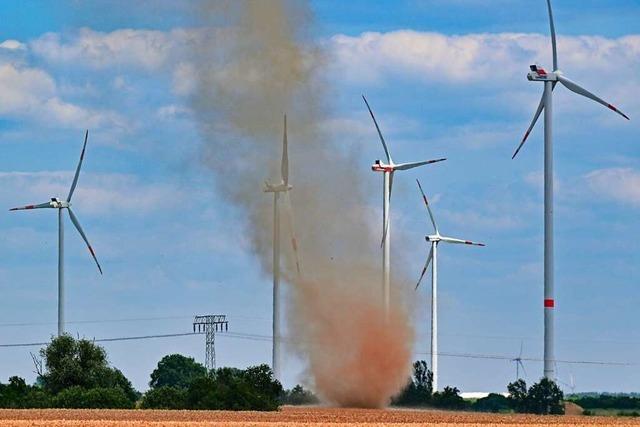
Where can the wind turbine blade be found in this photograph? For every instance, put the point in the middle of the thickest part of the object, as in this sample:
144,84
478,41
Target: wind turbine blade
533,123
386,225
75,178
384,144
426,266
40,206
294,241
574,87
522,366
426,203
521,346
284,166
75,222
553,37
405,166
460,241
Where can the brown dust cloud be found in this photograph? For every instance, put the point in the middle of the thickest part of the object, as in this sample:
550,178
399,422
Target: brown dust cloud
258,63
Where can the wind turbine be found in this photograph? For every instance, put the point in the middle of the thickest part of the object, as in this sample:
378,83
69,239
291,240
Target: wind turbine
282,187
550,79
61,205
388,169
435,239
519,364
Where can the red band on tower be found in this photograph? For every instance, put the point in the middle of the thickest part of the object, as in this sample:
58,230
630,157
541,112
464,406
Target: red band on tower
549,303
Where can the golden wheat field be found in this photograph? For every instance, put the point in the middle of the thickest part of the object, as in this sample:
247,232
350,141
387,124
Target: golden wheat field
287,416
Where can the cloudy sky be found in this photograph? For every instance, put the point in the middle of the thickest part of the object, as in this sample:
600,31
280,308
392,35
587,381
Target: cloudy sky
446,78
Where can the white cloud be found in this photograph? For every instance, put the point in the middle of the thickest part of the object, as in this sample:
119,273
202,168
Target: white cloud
12,45
471,58
147,49
95,192
184,79
172,111
619,184
31,92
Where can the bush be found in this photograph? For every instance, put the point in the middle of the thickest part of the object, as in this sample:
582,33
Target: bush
628,414
165,397
449,398
235,389
608,401
93,398
17,394
299,396
492,403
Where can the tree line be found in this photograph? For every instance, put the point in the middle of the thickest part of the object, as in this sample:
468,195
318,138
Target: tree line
544,397
75,373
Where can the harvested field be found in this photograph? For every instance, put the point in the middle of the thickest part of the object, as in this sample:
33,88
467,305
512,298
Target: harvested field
288,416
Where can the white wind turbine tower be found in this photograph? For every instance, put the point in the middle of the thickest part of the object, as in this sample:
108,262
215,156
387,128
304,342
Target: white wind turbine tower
388,169
282,187
435,239
56,203
550,79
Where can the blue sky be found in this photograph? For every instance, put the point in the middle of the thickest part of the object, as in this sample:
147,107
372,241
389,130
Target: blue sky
444,77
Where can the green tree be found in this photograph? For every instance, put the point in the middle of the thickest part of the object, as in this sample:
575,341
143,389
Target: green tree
176,370
492,403
92,398
299,396
18,394
234,389
82,363
449,398
518,396
545,398
419,389
165,397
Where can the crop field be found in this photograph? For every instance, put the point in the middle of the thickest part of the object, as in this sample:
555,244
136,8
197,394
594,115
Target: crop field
288,416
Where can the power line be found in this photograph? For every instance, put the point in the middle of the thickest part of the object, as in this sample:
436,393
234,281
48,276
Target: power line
133,338
529,359
267,338
132,319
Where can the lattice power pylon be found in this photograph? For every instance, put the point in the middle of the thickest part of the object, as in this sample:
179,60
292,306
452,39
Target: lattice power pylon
209,325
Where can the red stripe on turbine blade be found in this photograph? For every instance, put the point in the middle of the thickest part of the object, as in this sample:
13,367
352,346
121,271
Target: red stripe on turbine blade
468,242
30,207
426,202
549,303
611,107
91,250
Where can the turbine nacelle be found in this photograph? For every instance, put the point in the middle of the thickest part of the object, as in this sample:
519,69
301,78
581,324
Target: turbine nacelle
539,74
277,188
433,238
59,204
379,166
